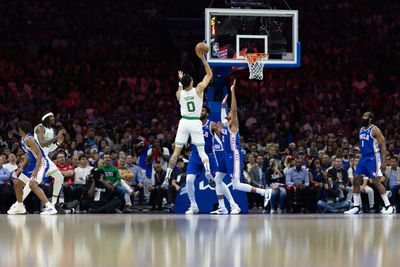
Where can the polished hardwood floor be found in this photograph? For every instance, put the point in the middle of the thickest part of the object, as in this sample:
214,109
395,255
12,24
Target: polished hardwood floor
203,240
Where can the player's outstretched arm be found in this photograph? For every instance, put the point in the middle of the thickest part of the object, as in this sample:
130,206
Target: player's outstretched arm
223,110
234,122
180,87
207,78
376,132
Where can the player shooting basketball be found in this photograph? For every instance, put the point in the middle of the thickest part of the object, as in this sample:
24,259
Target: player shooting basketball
191,101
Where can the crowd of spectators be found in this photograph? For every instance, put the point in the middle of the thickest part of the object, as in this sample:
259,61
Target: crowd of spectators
107,69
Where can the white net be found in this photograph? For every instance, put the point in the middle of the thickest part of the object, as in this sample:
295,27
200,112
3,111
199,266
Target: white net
256,63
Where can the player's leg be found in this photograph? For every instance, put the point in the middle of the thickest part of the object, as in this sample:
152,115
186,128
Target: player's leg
49,208
58,181
196,133
371,198
18,207
357,181
182,135
220,193
235,168
194,169
374,168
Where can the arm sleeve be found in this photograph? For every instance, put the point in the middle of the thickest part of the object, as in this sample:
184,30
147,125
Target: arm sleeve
223,115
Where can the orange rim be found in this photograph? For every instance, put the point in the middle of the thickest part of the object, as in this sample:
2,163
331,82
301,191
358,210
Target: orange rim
255,57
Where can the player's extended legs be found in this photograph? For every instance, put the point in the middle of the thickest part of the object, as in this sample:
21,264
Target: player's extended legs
206,162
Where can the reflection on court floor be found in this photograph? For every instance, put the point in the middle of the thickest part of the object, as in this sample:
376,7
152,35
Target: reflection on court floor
172,240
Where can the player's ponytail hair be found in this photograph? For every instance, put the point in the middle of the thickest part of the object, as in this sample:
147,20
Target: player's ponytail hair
186,80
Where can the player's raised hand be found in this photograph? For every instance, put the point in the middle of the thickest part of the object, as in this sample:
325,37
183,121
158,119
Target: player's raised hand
224,100
180,74
233,85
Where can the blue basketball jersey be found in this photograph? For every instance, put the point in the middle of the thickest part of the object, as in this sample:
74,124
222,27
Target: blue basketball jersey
230,141
31,155
368,144
208,139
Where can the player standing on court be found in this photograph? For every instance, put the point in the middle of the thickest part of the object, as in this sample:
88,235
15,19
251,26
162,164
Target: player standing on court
35,167
191,101
372,163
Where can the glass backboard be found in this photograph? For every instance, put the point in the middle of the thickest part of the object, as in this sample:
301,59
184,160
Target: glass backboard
232,32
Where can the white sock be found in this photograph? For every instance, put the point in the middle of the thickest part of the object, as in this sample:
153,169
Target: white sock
260,191
385,199
209,176
207,166
20,204
168,175
228,194
27,190
58,181
221,203
357,199
190,189
48,204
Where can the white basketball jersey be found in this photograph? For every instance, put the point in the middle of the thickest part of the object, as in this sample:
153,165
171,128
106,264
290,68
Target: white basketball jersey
191,103
48,134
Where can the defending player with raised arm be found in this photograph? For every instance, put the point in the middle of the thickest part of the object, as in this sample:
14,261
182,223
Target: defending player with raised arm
233,158
191,102
195,166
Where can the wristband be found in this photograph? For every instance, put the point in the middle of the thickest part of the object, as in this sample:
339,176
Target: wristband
58,144
180,84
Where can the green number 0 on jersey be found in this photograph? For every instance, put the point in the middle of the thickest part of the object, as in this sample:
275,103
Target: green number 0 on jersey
190,106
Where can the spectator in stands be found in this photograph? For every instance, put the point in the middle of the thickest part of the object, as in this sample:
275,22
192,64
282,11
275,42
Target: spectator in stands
5,188
81,174
276,180
67,171
331,202
126,177
340,176
157,193
137,181
393,180
257,179
157,154
178,178
297,182
100,195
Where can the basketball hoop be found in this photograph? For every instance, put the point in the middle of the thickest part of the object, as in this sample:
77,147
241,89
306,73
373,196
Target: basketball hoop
256,63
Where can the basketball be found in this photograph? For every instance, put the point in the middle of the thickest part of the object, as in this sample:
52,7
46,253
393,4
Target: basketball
202,47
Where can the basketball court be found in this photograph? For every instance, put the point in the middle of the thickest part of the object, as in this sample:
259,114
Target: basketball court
203,240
